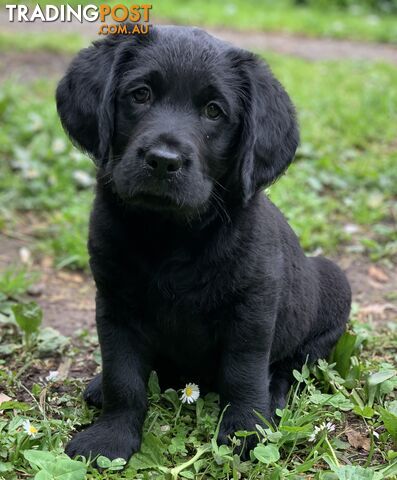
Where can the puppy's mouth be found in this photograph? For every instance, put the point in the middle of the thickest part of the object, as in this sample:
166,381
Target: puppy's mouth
151,200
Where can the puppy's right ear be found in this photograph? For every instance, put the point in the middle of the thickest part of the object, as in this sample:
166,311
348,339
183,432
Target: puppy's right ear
81,98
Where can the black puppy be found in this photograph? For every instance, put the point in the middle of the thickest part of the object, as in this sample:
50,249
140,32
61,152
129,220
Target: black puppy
198,274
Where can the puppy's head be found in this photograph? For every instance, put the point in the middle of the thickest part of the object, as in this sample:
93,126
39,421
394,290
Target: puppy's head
178,119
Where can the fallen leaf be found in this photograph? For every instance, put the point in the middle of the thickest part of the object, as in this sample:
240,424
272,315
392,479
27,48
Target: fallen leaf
377,274
71,277
4,398
47,262
63,369
376,309
56,298
376,285
358,440
42,398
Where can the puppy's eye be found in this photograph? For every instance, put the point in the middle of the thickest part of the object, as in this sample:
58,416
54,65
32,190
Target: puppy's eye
141,95
212,111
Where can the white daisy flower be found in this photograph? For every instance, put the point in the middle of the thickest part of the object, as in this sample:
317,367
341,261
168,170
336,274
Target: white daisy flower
327,427
330,427
190,393
312,438
52,375
29,429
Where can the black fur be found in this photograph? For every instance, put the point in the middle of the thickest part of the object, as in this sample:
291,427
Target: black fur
198,274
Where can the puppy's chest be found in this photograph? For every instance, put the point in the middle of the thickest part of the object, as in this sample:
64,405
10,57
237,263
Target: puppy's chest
185,333
185,301
186,311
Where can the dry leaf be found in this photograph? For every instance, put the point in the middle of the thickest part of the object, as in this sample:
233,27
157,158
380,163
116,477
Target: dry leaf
376,285
63,369
71,277
376,309
358,440
4,398
42,397
47,262
377,274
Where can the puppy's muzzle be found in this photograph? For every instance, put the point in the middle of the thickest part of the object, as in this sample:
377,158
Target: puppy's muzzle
163,162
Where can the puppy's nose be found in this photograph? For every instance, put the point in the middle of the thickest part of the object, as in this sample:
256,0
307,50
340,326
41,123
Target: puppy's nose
163,162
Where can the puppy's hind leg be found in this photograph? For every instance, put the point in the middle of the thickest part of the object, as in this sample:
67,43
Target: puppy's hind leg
317,346
332,316
93,392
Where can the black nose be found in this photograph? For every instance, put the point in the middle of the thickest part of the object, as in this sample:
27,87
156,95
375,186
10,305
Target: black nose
163,162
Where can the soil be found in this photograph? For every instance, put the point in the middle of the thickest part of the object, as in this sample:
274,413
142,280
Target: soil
67,298
309,48
31,66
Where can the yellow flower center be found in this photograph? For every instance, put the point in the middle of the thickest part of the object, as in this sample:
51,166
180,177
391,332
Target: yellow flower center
188,391
32,429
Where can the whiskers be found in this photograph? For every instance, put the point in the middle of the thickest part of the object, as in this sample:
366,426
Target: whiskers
218,203
105,179
217,183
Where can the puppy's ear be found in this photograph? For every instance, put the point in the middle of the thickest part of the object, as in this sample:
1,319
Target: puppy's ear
85,97
270,133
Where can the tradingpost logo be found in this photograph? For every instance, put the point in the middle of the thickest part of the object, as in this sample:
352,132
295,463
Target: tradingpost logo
112,18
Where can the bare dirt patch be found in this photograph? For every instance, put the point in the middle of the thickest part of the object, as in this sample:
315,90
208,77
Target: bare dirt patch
309,48
31,66
67,298
374,288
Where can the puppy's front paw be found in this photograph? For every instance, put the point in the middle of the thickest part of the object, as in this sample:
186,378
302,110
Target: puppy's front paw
234,421
107,438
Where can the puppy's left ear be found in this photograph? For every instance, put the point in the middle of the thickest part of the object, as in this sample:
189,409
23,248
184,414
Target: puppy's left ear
270,134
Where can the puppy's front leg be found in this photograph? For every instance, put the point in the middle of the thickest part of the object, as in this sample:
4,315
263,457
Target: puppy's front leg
244,380
126,367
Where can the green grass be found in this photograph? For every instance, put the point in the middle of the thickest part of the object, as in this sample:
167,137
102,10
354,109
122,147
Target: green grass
354,391
38,170
279,16
344,173
14,281
344,170
356,22
52,42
